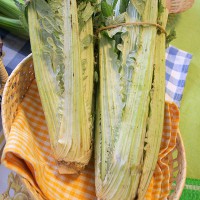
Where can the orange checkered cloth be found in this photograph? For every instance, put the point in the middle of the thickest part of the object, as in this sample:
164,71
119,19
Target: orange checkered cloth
160,186
28,152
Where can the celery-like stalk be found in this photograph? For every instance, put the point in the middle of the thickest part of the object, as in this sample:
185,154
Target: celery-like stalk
126,65
14,26
13,17
154,130
9,9
62,45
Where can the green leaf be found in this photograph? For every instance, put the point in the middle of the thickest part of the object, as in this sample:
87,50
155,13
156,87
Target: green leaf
114,4
106,9
88,11
172,21
117,20
171,36
123,5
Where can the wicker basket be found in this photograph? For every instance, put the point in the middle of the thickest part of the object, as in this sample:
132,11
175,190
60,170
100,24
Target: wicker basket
14,92
3,79
3,72
178,169
178,6
3,76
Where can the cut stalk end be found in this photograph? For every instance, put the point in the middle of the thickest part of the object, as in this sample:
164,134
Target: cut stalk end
70,167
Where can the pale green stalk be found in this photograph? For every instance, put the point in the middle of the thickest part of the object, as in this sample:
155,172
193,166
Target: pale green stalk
63,63
13,18
156,115
14,26
123,103
9,9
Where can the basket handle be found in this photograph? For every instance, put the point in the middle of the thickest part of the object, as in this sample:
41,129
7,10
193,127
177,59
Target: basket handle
3,72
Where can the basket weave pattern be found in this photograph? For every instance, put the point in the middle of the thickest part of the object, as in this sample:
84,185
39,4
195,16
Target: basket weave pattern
3,76
178,6
178,169
14,92
15,89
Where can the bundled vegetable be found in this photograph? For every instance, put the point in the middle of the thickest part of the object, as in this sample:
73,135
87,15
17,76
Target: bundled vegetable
61,34
13,17
130,104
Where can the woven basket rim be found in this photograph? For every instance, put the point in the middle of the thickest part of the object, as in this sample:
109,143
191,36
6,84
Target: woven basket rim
180,147
17,69
183,163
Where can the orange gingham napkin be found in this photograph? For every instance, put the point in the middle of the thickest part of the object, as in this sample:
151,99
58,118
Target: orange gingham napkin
159,188
28,152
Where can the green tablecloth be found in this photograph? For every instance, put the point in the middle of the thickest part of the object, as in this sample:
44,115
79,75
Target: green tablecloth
188,39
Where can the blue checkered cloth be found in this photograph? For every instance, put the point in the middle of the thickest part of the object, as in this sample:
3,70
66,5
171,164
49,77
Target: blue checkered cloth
15,49
177,64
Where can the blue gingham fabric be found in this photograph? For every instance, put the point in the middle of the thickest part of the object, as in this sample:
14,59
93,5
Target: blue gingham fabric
177,64
15,49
